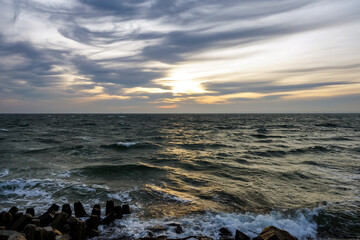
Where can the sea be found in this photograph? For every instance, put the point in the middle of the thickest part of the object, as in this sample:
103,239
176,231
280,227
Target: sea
298,172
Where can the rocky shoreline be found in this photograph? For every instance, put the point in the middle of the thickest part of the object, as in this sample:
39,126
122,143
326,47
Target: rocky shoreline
56,224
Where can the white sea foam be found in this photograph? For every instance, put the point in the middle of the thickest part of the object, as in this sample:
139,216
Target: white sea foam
126,144
4,172
120,196
4,130
299,225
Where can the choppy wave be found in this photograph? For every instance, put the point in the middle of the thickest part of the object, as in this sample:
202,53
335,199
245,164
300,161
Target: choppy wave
3,130
126,144
299,224
4,172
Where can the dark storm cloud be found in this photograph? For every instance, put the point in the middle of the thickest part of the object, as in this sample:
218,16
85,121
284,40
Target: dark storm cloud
129,76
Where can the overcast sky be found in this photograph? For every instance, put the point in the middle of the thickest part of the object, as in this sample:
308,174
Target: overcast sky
159,56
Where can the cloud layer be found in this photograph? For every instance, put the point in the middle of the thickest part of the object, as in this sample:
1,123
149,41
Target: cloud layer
179,56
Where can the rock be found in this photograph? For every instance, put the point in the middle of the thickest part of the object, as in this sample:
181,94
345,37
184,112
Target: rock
29,231
63,237
53,208
35,221
126,209
17,236
22,222
108,219
97,206
46,219
31,211
72,221
13,210
157,228
92,232
5,234
79,210
67,209
241,236
2,228
179,229
80,231
225,232
39,233
49,233
17,216
274,233
6,219
60,221
93,222
57,232
96,211
118,212
66,228
109,207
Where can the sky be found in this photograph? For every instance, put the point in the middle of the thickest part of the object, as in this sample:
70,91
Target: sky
179,56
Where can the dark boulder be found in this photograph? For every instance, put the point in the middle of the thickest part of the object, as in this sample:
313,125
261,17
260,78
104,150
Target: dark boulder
93,222
46,219
52,208
108,219
126,209
60,221
66,209
225,232
22,222
13,210
6,219
79,210
109,206
80,231
31,211
39,233
96,211
274,233
241,236
29,231
118,212
49,233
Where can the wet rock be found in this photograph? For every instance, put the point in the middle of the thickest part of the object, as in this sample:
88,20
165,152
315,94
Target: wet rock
80,231
52,208
92,232
13,210
35,221
66,228
49,233
29,231
63,237
204,238
225,232
108,219
79,210
241,236
6,219
126,209
60,221
109,206
96,211
179,229
39,233
2,228
93,222
21,222
118,212
274,233
72,221
46,219
17,216
66,209
96,206
157,228
31,211
5,234
17,236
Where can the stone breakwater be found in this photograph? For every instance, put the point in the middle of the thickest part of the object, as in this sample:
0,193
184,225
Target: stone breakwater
56,224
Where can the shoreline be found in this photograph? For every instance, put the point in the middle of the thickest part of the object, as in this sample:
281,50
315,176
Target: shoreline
64,224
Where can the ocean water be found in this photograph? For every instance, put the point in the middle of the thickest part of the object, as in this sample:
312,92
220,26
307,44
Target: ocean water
300,172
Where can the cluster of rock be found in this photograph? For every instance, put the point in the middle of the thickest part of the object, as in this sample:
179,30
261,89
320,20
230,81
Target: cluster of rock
61,225
58,225
268,233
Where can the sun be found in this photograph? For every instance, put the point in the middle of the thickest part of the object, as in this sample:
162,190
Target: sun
186,87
